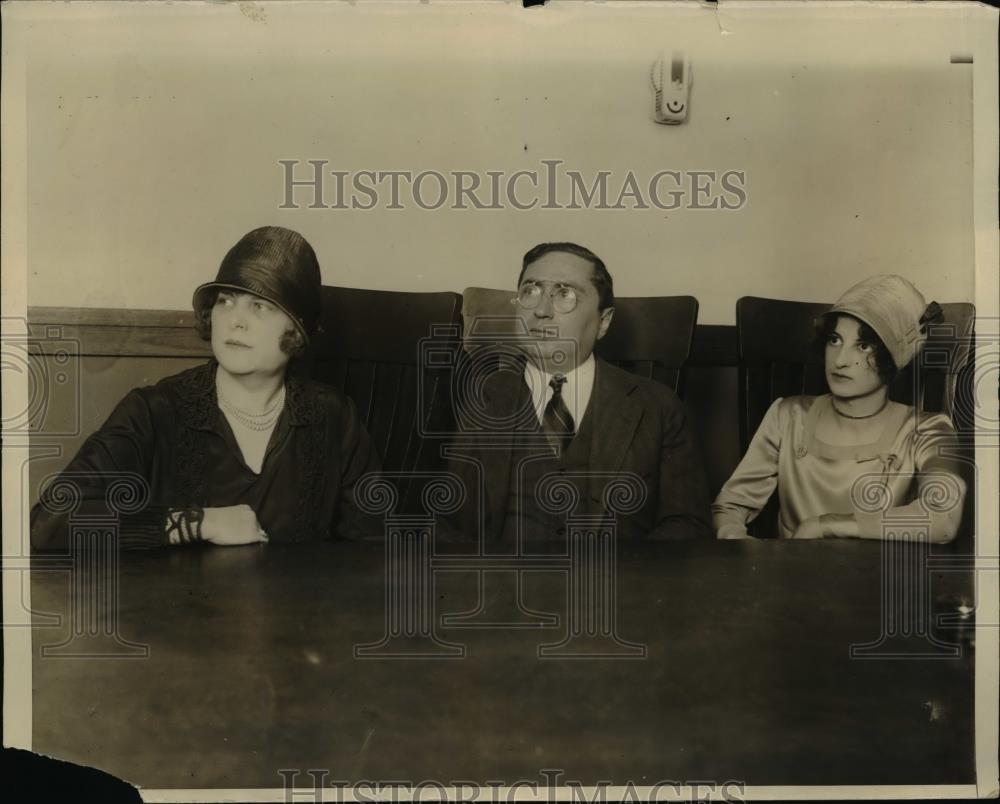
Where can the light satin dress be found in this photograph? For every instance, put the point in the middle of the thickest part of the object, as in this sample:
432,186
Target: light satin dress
878,482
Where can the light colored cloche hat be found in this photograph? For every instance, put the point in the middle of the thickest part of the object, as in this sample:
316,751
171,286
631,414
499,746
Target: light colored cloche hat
895,309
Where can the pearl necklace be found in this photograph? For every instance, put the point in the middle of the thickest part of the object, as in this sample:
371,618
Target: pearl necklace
258,422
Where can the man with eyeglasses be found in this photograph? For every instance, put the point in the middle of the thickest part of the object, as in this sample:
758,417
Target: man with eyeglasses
568,413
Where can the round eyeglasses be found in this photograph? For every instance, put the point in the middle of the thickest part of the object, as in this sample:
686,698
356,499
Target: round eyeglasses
530,294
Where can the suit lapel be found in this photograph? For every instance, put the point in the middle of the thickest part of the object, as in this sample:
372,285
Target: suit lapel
614,426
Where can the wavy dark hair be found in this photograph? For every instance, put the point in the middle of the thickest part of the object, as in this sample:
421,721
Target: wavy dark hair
826,326
292,343
600,277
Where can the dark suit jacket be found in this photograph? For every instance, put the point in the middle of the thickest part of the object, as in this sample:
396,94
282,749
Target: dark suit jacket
639,427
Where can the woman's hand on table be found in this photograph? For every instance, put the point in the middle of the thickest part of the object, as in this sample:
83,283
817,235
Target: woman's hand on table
811,528
232,525
827,526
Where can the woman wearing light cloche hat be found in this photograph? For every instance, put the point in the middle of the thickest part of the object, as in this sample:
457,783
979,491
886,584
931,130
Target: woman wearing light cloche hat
851,462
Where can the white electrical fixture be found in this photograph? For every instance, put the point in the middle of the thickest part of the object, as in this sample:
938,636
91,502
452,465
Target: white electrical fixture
671,80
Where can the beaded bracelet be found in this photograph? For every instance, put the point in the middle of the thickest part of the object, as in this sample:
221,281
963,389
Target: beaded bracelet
184,525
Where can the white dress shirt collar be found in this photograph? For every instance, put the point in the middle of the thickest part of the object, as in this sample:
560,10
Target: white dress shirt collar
576,391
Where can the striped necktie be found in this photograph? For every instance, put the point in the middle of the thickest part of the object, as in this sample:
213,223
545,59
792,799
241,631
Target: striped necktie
556,420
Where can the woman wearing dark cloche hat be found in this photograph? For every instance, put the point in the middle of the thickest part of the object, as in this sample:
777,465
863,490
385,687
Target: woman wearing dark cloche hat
242,449
852,462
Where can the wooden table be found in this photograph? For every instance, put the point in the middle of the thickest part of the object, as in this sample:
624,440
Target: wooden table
747,675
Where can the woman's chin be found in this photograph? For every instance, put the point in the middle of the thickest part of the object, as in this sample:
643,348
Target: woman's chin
233,364
845,393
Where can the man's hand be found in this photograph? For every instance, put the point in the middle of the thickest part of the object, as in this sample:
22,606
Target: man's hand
235,524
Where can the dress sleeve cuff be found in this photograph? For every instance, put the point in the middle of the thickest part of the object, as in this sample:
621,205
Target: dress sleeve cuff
732,530
144,529
869,524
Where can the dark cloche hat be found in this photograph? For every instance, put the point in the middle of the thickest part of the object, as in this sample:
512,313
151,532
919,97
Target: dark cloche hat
276,264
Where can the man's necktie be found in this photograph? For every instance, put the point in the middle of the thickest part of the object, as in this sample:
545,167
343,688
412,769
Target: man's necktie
556,420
